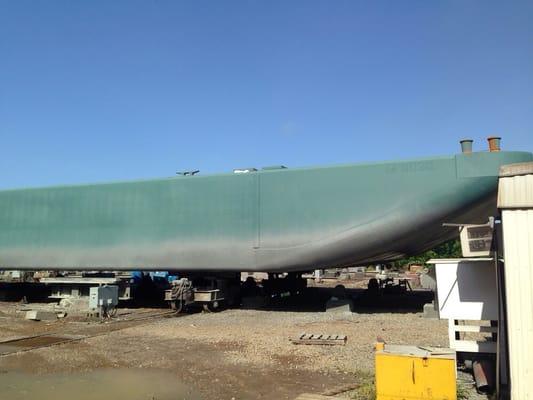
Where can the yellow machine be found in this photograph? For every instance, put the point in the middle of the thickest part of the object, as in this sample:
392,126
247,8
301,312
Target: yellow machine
412,373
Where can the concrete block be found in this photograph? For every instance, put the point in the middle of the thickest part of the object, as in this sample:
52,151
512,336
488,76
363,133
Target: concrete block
339,305
430,312
40,315
75,304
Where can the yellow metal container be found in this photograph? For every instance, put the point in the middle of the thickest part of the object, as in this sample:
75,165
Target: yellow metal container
411,373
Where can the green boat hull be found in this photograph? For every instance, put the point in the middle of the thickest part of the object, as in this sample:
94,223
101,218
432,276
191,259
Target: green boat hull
270,220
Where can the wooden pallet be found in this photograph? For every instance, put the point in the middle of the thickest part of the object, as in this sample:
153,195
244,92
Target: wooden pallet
310,338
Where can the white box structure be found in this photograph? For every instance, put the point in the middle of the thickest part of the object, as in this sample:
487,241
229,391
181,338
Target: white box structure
515,200
467,291
466,288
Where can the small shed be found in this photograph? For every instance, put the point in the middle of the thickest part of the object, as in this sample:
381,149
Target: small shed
515,200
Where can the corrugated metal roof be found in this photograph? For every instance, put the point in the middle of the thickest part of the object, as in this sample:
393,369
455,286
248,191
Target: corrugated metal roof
516,186
516,169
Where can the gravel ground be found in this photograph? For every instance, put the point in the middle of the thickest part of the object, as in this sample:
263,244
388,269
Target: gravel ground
262,337
232,354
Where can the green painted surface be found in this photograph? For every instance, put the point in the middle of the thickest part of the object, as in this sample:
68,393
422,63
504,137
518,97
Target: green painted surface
147,211
276,219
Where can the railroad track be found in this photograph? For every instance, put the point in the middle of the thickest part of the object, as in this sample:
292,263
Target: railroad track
48,339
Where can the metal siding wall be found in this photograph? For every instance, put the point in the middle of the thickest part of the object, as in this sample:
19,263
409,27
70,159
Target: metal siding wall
518,248
515,192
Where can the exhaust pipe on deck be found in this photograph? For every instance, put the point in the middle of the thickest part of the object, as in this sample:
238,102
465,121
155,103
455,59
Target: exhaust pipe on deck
494,143
466,146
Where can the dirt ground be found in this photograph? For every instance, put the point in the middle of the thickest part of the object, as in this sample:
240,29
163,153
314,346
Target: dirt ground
232,354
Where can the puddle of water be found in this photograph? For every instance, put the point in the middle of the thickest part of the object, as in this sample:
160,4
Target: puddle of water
116,384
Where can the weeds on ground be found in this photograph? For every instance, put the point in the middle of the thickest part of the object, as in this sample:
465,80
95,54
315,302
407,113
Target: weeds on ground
366,391
462,391
367,387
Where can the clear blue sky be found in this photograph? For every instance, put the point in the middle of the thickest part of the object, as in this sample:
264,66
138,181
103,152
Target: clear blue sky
111,90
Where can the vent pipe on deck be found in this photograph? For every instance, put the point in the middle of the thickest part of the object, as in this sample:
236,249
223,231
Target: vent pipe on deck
466,146
494,143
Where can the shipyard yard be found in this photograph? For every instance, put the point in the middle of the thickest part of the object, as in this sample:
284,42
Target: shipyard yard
231,354
241,354
407,309
266,200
